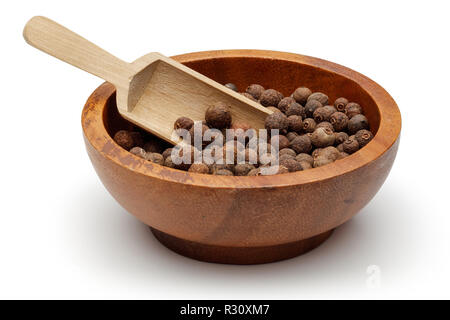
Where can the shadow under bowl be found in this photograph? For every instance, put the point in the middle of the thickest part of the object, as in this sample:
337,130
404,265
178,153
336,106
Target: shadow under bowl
248,220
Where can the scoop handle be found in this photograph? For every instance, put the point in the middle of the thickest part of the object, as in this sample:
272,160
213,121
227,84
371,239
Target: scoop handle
58,41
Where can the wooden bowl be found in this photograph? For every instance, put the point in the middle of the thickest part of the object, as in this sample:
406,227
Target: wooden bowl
248,220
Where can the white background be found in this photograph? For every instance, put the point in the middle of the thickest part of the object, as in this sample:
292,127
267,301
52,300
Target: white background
63,236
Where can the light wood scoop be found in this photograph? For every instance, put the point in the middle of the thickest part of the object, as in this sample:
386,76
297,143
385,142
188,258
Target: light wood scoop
153,91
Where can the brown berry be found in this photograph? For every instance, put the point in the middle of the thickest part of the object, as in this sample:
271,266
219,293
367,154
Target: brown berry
305,165
270,97
199,168
342,155
124,139
309,125
325,124
218,116
183,123
243,169
340,137
323,113
322,137
231,86
295,123
138,151
169,163
356,123
319,96
254,172
288,152
276,120
223,172
301,144
339,121
283,142
154,157
311,106
301,95
352,109
291,135
363,137
255,90
329,152
295,109
304,157
285,103
316,152
321,161
340,104
350,145
291,164
340,147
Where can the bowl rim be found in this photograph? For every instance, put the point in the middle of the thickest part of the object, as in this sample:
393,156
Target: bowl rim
388,132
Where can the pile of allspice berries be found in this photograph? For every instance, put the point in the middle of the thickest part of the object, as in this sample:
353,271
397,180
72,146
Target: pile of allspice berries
312,132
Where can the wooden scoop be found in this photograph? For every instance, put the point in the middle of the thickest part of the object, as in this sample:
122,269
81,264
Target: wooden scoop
153,91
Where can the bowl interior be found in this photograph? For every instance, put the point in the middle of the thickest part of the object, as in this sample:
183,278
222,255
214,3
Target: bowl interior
282,75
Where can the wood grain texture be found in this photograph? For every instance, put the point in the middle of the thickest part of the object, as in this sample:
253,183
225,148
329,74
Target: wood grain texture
153,91
249,212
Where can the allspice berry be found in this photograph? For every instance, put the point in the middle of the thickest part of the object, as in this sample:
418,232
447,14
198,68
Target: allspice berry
339,121
295,123
154,157
322,137
249,96
243,169
287,151
138,151
321,161
285,103
199,168
283,142
295,109
356,123
254,172
363,137
276,120
329,152
340,146
305,165
301,95
124,139
350,145
291,164
340,137
309,125
316,152
183,123
319,96
218,116
301,144
311,106
166,153
255,90
323,113
169,163
325,124
281,170
352,109
304,157
285,157
291,135
270,97
342,155
340,104
223,172
231,86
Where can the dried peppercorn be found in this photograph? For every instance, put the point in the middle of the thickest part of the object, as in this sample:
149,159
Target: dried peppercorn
199,168
288,152
295,109
352,109
309,125
301,95
283,142
304,157
305,165
319,96
323,113
124,139
342,155
254,172
284,104
321,161
223,172
340,137
154,157
311,106
276,120
243,169
291,164
291,135
295,123
218,116
350,145
363,137
255,90
340,146
270,97
322,137
339,121
301,144
329,152
183,123
340,104
231,86
356,123
138,151
325,124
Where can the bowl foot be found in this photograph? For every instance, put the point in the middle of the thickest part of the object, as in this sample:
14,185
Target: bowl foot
239,255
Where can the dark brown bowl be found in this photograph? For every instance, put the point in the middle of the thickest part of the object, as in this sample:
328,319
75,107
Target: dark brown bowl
247,220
